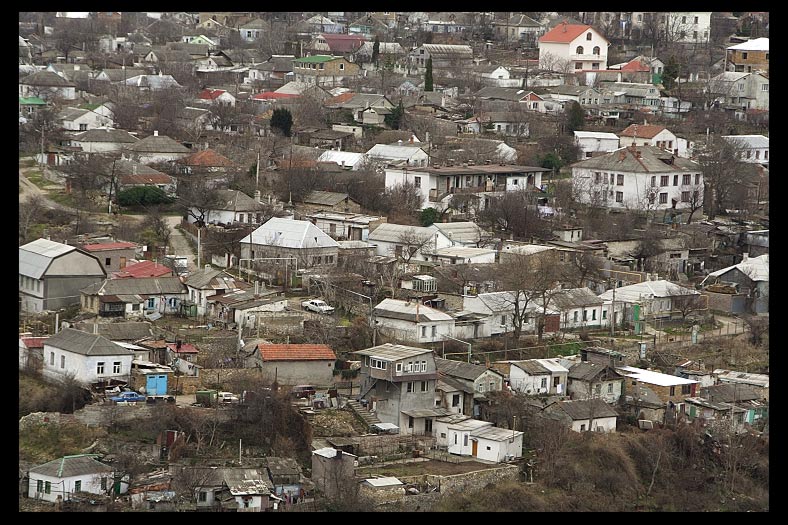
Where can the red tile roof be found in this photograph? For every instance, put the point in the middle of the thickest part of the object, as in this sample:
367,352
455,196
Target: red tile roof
207,157
339,99
635,65
143,269
34,342
343,43
304,352
272,95
210,94
564,33
108,246
645,131
186,348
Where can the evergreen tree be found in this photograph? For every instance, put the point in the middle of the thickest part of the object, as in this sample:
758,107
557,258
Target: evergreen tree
282,120
375,50
428,76
671,72
394,119
575,116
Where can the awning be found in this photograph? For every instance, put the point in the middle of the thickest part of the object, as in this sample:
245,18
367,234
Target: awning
427,412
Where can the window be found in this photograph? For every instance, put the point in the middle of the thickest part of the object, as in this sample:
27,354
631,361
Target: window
610,388
410,421
686,179
596,50
455,400
675,180
62,361
597,177
765,157
663,198
399,367
40,485
409,386
424,366
653,180
321,66
103,483
685,196
757,154
503,320
48,487
696,19
579,50
107,261
582,427
151,302
434,331
202,496
685,389
417,182
612,178
663,180
100,368
620,179
78,485
697,176
744,55
604,314
673,391
764,87
575,316
588,36
52,358
455,439
341,67
515,182
465,440
116,367
544,382
683,19
619,196
578,65
424,331
595,65
585,315
424,386
597,389
593,315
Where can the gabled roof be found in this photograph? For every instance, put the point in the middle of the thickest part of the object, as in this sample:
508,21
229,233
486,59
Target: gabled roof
140,286
118,74
756,268
390,232
36,256
153,81
645,131
71,114
575,298
590,371
748,141
326,198
211,279
500,93
289,233
460,231
158,144
650,161
392,352
46,78
83,343
586,409
460,369
207,158
564,33
386,151
69,466
144,179
105,135
300,352
211,94
756,44
340,43
123,331
407,311
317,59
634,293
448,51
103,246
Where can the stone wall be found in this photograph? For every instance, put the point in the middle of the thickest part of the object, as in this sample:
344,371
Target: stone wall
472,481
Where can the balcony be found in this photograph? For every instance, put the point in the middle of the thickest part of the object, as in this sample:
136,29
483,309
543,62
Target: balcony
587,58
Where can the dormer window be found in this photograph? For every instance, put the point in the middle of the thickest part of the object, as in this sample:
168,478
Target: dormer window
588,36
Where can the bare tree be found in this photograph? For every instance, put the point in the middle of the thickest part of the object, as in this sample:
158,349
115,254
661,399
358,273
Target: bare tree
687,304
720,162
411,243
196,199
30,211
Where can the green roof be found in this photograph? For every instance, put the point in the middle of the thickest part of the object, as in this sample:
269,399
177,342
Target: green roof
35,101
90,107
317,59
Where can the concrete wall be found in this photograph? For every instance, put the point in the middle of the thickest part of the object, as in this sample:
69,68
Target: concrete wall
319,373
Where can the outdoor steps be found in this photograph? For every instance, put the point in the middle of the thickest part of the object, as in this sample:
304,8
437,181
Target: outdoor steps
362,413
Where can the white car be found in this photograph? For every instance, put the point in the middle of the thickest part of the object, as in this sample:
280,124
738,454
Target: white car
317,305
227,397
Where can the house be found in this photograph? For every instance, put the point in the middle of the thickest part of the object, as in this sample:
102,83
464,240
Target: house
592,143
285,475
345,159
294,364
88,358
464,255
152,82
328,201
47,85
654,299
112,254
635,95
122,332
207,162
106,140
80,119
752,148
194,120
670,390
149,296
585,415
117,75
253,29
463,436
51,275
207,282
232,207
749,277
130,174
299,241
649,135
398,383
344,45
583,95
345,226
463,233
412,321
388,52
759,382
438,184
749,56
402,155
216,96
473,381
519,28
730,395
740,91
639,177
332,471
594,381
569,47
507,123
496,75
497,309
28,106
538,377
579,308
227,488
61,479
155,148
410,243
324,70
31,351
325,138
277,70
322,24
450,59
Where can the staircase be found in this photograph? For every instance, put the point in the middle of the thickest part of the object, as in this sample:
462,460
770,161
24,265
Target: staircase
364,415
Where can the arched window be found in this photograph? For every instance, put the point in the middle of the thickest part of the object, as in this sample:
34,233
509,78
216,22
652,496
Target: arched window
579,50
596,50
588,36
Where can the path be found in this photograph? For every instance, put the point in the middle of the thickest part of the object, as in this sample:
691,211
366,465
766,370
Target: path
180,244
28,190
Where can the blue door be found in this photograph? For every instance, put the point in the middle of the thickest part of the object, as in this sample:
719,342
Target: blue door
156,384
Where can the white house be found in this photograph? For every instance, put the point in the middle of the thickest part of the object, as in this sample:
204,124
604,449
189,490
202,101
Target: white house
499,76
59,479
345,226
649,135
572,47
464,255
579,308
104,140
585,415
155,148
216,96
465,436
591,142
207,282
638,178
592,380
412,321
47,85
538,376
656,299
81,119
232,206
411,243
688,26
741,90
345,159
498,307
88,358
754,148
405,155
298,241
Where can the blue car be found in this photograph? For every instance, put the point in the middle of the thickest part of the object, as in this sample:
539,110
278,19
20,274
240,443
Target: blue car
127,397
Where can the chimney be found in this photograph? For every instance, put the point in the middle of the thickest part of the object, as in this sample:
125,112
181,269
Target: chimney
178,344
207,267
156,133
622,154
338,455
745,256
637,153
564,26
76,67
134,169
257,196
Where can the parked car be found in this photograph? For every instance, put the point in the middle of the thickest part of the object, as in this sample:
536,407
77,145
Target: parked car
317,305
128,397
302,391
228,397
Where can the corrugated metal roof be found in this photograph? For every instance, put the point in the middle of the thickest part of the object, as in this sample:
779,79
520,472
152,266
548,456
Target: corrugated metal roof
756,268
396,233
634,293
387,151
83,343
748,141
586,408
36,256
289,233
397,309
654,378
69,466
495,433
139,286
392,352
460,231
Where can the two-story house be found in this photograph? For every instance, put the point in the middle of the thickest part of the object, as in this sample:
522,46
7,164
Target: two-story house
595,381
753,148
324,70
88,358
749,56
412,321
398,383
113,255
537,376
519,28
461,386
573,47
741,91
205,283
453,59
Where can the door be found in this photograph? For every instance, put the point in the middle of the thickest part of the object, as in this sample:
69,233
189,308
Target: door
151,385
122,262
474,447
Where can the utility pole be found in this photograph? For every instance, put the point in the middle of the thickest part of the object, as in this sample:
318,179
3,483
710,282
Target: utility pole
111,184
613,308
